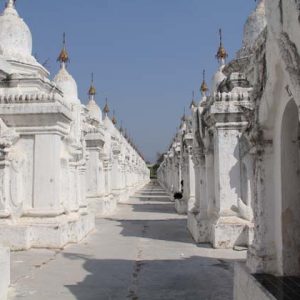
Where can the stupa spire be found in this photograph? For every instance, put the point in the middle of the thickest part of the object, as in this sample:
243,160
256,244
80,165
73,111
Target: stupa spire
121,127
114,120
183,118
63,57
222,53
204,87
193,103
92,90
106,107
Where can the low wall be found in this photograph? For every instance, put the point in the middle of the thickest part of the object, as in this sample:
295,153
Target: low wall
246,287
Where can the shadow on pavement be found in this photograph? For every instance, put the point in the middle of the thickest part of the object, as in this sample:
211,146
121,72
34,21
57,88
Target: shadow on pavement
173,230
154,208
153,199
190,278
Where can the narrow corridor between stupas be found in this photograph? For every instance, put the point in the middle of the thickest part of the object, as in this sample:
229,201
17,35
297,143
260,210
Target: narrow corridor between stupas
143,251
200,205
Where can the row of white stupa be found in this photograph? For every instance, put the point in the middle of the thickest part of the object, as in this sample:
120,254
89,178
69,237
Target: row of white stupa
60,161
204,161
236,158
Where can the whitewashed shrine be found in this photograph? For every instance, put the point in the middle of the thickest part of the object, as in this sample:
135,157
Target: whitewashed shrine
246,153
61,163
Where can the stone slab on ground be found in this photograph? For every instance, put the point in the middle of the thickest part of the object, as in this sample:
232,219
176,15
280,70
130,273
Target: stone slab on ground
142,252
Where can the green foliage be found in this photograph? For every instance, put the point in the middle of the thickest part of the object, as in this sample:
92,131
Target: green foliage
153,171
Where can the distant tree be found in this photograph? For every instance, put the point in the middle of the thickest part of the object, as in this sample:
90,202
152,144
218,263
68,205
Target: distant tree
153,168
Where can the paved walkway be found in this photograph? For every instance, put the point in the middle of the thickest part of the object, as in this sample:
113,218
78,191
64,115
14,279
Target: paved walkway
143,252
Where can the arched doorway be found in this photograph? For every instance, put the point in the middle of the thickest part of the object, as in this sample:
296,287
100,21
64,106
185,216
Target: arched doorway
290,178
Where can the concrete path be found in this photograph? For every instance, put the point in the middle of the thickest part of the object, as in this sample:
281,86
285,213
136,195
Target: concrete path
143,252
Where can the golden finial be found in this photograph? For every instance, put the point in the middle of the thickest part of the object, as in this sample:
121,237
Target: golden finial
204,87
63,56
114,120
221,54
106,107
92,90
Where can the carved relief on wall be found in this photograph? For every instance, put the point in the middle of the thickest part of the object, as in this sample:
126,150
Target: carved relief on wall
17,160
10,173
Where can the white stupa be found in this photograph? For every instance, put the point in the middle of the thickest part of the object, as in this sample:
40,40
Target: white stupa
64,80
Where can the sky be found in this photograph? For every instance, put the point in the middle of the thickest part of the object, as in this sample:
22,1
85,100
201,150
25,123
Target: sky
147,55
